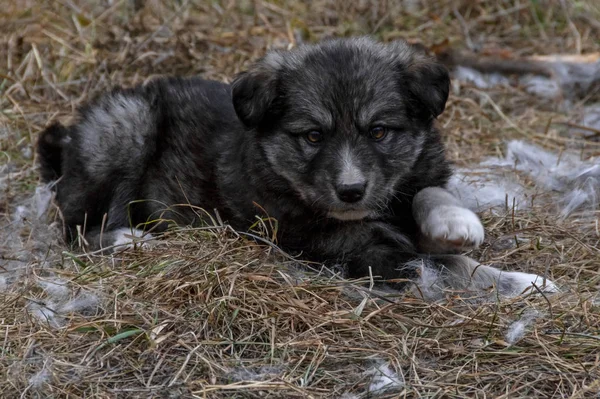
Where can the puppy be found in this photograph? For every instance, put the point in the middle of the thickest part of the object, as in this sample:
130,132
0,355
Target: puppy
336,141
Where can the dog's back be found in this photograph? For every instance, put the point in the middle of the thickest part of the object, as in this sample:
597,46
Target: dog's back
145,143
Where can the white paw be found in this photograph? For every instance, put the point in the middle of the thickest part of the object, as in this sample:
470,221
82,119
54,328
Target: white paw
517,283
450,227
126,238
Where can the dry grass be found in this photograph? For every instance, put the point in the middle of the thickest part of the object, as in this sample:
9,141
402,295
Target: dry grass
208,313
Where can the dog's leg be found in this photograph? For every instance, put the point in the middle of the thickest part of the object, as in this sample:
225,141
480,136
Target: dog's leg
464,276
445,225
376,249
366,249
115,232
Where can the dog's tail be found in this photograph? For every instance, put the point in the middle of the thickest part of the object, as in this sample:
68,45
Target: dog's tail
50,151
442,274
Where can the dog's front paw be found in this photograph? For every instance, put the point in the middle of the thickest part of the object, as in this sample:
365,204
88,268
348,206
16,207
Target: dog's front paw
452,228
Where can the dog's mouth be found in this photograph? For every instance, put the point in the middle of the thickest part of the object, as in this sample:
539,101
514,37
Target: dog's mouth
349,215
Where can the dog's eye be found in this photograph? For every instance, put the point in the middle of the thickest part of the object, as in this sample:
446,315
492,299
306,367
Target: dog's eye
314,136
378,133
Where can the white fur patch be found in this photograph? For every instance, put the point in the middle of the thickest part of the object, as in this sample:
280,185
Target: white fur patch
517,330
350,174
55,288
42,377
126,237
384,379
53,310
451,227
522,283
348,215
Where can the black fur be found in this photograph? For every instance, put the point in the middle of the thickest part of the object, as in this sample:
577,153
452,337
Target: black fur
216,146
49,147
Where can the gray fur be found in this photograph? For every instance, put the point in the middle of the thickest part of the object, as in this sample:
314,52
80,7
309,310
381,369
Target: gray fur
242,149
462,275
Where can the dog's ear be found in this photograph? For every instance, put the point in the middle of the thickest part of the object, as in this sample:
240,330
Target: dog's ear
254,90
427,80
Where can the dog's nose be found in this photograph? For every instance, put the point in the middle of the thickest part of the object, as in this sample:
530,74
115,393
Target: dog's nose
351,192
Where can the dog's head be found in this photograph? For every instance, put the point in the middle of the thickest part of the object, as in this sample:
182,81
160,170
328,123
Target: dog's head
342,121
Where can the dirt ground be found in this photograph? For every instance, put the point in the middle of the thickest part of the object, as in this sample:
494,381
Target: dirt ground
207,312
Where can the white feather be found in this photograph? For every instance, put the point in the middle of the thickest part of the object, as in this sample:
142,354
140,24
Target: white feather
571,183
517,329
383,378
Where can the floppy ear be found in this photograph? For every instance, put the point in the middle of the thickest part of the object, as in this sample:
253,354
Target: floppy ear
254,90
427,80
